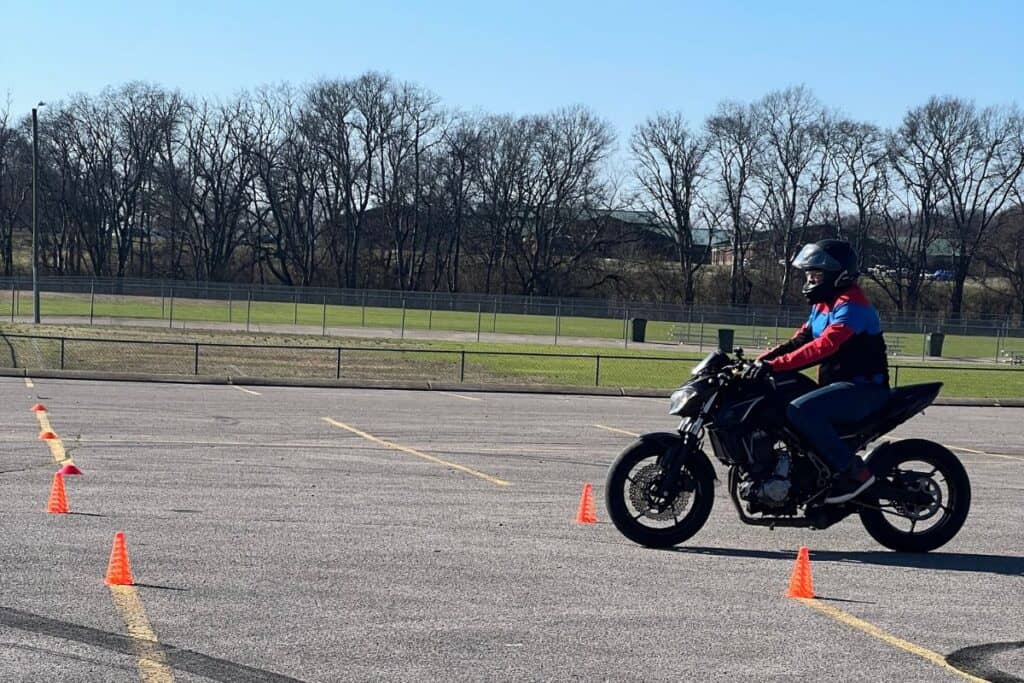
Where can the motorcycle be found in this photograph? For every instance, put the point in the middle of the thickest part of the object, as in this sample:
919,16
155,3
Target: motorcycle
660,490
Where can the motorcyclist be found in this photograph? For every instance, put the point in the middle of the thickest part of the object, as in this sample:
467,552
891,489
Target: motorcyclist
843,335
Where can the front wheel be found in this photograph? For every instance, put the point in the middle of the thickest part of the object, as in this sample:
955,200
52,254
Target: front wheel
640,513
940,485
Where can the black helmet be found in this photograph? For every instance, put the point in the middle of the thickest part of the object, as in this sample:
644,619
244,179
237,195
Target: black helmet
837,259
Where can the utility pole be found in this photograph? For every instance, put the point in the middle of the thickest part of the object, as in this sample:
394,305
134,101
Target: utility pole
35,227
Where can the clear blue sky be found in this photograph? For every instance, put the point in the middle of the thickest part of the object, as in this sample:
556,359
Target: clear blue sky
626,60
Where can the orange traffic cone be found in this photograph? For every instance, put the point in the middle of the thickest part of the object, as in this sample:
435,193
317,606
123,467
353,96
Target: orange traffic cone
801,585
47,435
586,514
119,569
58,502
39,408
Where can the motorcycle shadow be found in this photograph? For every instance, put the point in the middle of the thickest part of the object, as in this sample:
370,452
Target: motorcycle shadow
1008,565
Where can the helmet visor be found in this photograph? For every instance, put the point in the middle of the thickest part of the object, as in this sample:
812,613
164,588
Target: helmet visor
813,257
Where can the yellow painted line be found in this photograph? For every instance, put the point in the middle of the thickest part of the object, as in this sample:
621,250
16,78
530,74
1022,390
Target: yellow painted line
152,664
994,455
418,454
28,383
468,398
875,632
617,431
56,445
248,391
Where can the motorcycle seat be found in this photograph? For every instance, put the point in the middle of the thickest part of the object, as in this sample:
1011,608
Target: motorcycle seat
904,402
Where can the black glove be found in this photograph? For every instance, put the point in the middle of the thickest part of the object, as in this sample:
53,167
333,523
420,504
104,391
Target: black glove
758,371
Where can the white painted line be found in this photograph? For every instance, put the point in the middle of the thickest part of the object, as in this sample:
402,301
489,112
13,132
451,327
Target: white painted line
468,398
248,391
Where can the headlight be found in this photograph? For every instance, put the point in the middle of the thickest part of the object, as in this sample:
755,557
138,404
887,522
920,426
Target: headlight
685,402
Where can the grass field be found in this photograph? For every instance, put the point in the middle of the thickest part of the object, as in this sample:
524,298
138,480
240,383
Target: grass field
175,352
326,317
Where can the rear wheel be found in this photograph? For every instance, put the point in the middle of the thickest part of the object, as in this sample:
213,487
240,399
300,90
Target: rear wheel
644,517
942,489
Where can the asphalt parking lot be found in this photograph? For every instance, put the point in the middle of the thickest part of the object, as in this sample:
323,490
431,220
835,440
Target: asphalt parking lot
312,534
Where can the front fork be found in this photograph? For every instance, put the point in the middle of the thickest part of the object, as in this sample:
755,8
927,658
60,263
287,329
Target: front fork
674,459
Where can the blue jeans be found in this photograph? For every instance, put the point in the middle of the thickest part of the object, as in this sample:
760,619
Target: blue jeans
814,414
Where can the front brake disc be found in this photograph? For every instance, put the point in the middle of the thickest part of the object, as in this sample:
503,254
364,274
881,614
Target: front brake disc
643,495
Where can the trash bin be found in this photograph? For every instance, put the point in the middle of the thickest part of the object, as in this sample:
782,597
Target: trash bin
935,343
639,329
725,338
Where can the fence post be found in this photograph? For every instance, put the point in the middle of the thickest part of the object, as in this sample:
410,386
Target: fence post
700,342
362,320
479,313
494,321
896,376
295,316
625,327
597,370
195,369
229,305
337,370
170,318
462,367
248,308
62,353
161,301
13,290
92,299
403,319
430,313
558,315
323,319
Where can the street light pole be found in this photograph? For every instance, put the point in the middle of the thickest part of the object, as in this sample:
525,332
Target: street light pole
35,245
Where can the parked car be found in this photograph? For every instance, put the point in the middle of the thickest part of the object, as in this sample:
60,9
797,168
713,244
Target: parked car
940,275
882,271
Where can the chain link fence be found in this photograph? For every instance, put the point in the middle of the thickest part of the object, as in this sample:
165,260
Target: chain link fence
481,317
186,358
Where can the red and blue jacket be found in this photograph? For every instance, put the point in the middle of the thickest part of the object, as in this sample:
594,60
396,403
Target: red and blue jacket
844,336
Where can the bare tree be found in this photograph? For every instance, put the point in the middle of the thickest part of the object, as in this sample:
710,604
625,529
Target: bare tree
977,154
112,143
218,172
910,212
408,134
15,186
670,169
556,227
1004,253
735,146
452,198
858,160
284,200
502,172
342,124
793,170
